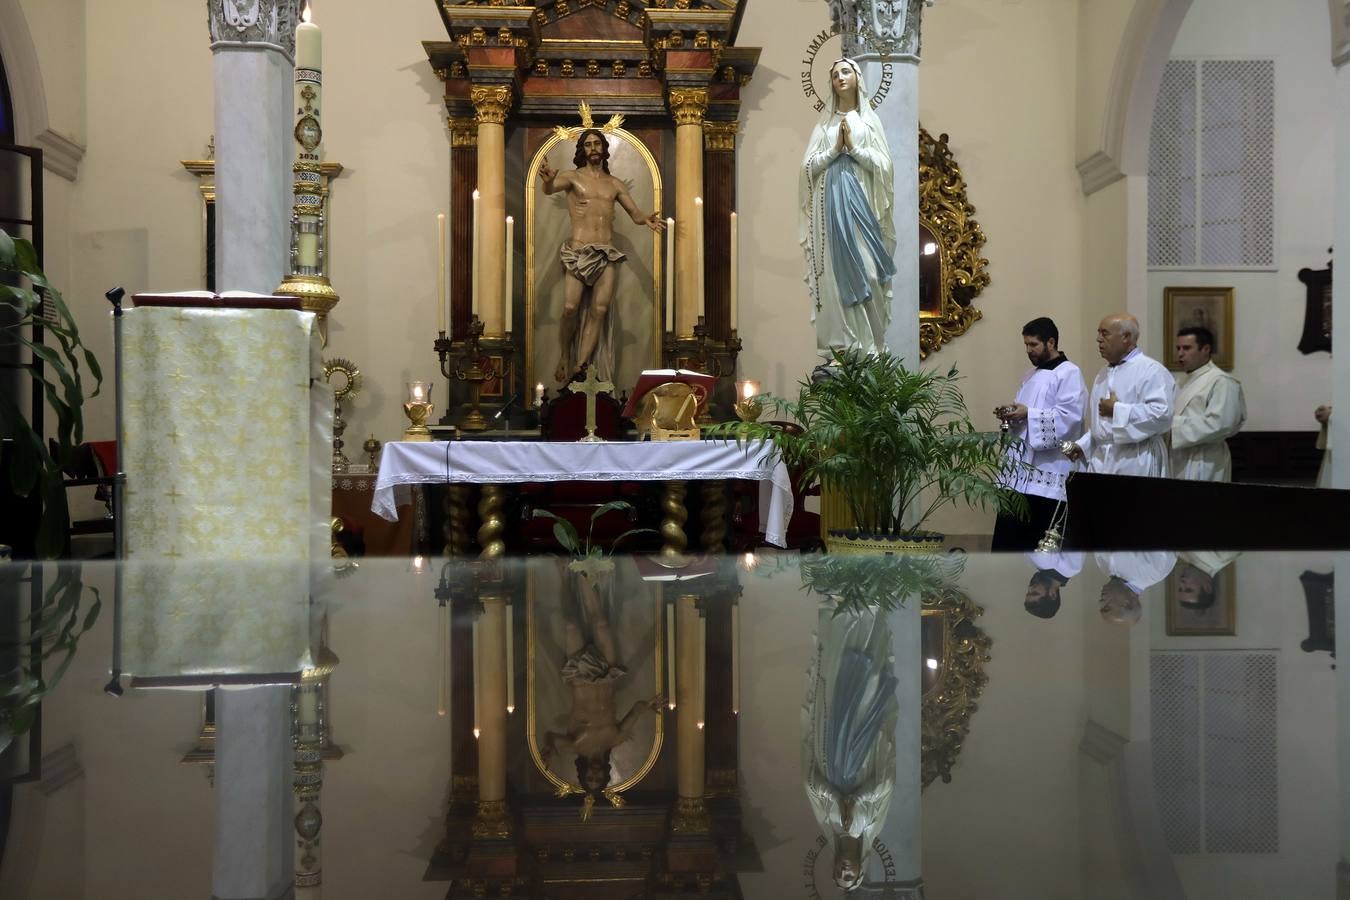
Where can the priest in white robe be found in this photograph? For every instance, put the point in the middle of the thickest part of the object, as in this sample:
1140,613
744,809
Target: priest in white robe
1053,571
1209,410
1130,406
1047,411
1129,574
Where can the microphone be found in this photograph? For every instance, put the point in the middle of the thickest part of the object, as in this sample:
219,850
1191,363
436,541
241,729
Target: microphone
505,406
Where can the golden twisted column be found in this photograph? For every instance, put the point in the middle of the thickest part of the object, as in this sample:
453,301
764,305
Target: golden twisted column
691,816
714,517
491,104
674,515
492,521
687,106
457,520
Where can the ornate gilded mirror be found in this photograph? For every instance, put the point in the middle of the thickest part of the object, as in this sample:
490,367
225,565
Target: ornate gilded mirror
954,652
951,271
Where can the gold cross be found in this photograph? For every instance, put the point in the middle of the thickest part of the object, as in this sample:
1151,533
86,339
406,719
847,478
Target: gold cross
592,387
308,93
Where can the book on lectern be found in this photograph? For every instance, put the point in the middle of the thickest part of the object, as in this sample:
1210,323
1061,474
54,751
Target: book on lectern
223,300
651,378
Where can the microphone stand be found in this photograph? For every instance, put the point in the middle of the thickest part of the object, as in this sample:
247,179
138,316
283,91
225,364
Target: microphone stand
114,686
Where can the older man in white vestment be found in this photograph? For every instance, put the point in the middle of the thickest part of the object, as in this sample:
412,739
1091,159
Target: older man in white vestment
1047,411
1130,406
1209,410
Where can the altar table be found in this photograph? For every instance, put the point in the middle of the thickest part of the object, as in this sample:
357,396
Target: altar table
494,463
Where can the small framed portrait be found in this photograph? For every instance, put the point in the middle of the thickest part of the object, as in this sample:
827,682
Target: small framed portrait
1199,603
1210,308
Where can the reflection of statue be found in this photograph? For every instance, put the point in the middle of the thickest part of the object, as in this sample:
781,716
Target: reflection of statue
589,256
848,734
846,191
591,670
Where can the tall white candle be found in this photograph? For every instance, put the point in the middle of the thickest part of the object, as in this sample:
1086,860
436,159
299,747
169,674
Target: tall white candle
510,243
702,670
735,658
670,275
440,272
473,255
443,661
477,679
735,267
308,133
510,655
670,654
698,243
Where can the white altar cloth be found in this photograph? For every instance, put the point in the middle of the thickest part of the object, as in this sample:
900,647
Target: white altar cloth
405,463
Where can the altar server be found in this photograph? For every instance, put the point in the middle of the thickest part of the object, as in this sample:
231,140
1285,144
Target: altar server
1047,411
1209,410
1130,406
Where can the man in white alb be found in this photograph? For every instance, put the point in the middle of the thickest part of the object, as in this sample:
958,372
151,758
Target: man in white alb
1130,406
1047,412
1209,410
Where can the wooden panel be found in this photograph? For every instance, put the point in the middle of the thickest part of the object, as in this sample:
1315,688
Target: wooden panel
463,179
719,199
591,24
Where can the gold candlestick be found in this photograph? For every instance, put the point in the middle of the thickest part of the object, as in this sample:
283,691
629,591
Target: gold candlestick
472,371
417,409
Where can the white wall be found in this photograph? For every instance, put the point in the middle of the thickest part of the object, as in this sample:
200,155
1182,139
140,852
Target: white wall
1282,386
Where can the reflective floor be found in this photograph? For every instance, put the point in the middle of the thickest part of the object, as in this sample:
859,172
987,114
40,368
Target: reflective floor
1117,725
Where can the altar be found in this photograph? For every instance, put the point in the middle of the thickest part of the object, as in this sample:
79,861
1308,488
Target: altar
496,463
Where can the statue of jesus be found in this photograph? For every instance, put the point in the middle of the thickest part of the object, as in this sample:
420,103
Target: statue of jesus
589,257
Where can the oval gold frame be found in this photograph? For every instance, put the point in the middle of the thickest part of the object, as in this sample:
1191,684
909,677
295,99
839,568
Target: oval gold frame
945,210
531,195
566,788
946,710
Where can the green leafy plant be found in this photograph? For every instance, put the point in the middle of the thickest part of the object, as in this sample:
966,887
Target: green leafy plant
566,533
857,581
31,465
53,635
896,443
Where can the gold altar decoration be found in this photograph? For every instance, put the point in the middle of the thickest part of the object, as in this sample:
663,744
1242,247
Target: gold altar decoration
947,709
948,215
417,408
351,386
562,789
666,413
592,387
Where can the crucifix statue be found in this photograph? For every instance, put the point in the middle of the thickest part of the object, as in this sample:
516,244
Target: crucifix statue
592,387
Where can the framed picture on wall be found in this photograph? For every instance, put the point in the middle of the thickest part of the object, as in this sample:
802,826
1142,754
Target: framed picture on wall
1203,307
1199,603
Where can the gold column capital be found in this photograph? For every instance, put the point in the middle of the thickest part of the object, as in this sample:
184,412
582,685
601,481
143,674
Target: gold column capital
720,135
491,103
688,105
463,132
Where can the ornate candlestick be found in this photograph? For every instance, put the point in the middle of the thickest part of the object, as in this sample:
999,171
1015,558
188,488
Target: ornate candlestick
472,371
705,354
417,409
352,374
372,448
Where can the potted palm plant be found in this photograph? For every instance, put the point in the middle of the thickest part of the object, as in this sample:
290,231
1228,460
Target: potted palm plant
29,466
890,444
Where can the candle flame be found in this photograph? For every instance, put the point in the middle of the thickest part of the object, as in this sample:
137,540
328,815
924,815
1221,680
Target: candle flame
510,220
475,734
305,16
441,711
672,704
700,726
698,201
510,710
476,195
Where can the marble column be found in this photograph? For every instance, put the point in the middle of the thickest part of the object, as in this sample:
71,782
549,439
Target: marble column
491,104
687,106
891,68
691,816
492,820
904,823
1340,325
253,62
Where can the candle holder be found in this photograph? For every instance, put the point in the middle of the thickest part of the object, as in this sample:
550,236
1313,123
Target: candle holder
748,406
372,448
417,409
472,371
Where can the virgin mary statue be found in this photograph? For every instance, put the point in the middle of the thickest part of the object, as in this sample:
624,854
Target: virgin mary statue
845,226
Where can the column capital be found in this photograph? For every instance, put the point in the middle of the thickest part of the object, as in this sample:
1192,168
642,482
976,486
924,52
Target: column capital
491,103
261,24
463,132
892,27
720,135
687,105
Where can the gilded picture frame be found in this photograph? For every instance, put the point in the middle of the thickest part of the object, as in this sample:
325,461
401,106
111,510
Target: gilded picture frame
946,310
1200,604
1206,307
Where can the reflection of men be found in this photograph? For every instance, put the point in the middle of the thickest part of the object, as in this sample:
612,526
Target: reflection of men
1195,587
1129,575
1047,411
593,729
1053,571
589,256
1130,406
1209,410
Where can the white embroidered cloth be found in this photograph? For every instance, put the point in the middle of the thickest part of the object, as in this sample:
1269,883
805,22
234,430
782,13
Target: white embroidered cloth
406,463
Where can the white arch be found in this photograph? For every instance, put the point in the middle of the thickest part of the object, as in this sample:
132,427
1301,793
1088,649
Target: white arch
31,125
